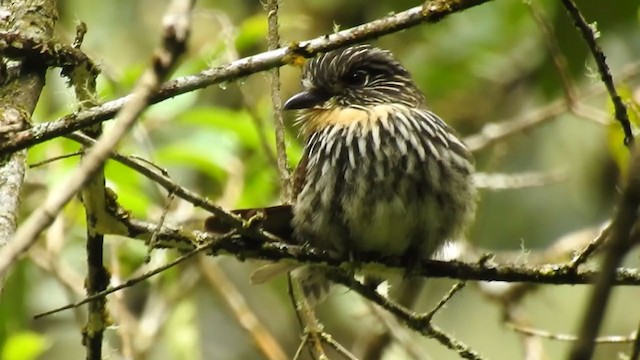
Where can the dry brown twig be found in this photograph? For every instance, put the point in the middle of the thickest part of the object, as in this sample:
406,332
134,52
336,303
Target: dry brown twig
311,326
420,323
609,339
276,103
235,301
533,348
492,133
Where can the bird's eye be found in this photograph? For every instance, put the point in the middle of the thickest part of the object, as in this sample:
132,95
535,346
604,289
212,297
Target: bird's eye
357,78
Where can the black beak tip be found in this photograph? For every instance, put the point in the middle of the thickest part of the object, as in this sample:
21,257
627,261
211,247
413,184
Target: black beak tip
291,103
304,100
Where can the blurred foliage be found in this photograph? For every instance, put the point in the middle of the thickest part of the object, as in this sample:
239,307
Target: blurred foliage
486,65
24,346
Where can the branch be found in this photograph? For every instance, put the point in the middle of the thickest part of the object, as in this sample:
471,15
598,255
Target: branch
608,339
161,177
49,53
174,38
235,301
94,199
589,36
497,181
210,245
18,99
430,12
623,234
276,251
420,323
492,133
276,103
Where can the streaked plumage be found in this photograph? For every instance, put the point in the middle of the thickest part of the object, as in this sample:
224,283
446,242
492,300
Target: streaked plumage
380,173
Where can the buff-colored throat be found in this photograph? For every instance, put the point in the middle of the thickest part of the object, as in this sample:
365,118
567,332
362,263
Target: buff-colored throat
317,119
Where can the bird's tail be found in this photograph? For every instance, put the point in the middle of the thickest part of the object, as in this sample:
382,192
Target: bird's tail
267,272
277,221
313,281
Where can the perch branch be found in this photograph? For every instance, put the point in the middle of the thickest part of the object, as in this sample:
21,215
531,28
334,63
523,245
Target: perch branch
430,12
174,42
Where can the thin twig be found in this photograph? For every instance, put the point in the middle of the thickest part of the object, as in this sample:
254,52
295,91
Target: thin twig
276,103
55,158
312,326
559,61
207,246
294,302
337,346
154,236
589,36
498,182
609,339
414,322
621,238
584,254
160,176
454,289
301,346
492,133
263,340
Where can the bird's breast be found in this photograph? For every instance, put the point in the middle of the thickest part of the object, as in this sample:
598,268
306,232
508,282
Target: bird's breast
377,179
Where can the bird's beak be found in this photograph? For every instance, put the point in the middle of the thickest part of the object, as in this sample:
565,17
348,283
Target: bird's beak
305,100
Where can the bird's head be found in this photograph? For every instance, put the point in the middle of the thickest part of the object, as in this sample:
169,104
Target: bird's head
354,77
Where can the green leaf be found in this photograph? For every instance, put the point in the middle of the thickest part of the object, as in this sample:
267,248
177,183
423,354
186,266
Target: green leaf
252,31
236,124
24,345
129,186
207,152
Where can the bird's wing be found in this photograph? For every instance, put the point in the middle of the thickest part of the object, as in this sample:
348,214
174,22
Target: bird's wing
297,180
275,219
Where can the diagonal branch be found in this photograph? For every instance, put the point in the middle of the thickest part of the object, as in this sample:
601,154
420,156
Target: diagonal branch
589,36
174,42
430,12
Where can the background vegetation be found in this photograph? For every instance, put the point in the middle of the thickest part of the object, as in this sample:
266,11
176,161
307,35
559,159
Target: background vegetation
490,64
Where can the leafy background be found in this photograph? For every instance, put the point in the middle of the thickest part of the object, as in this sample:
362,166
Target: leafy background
486,65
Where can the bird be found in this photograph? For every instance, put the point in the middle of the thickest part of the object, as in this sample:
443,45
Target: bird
380,172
